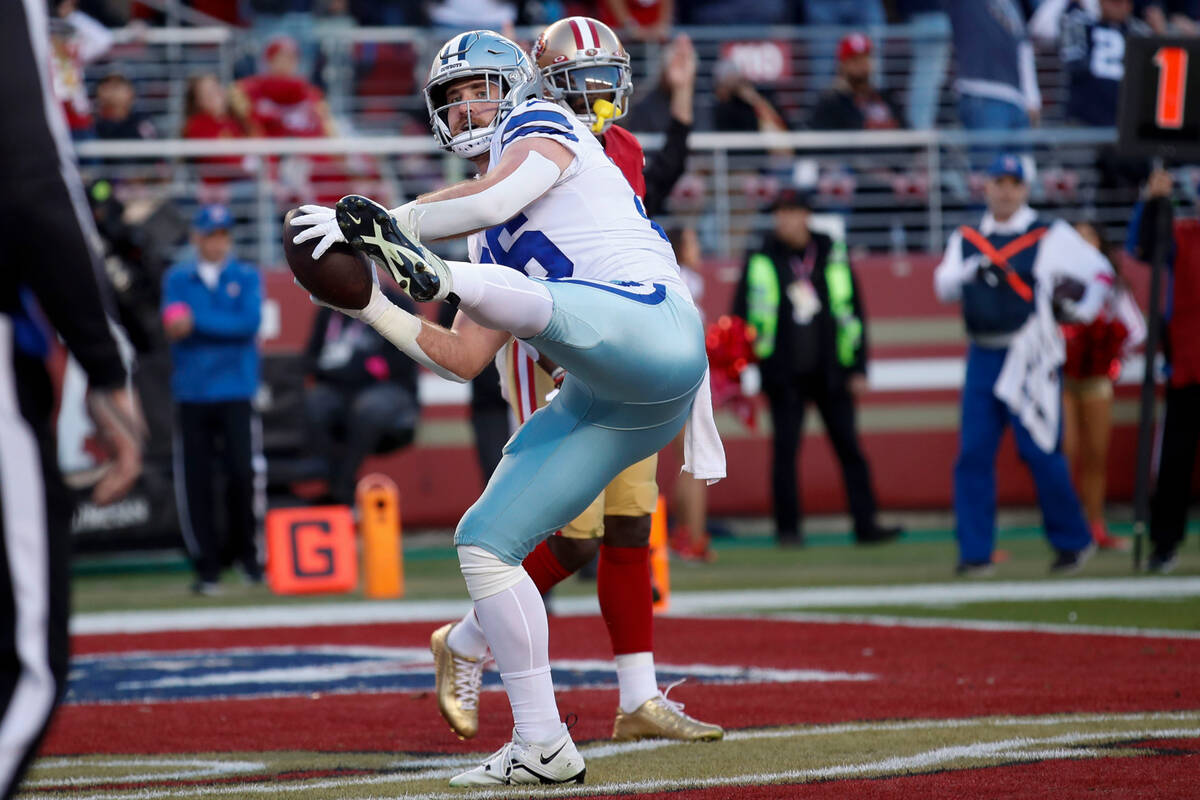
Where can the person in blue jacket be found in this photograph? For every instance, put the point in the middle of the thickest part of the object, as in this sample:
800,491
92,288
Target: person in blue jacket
211,313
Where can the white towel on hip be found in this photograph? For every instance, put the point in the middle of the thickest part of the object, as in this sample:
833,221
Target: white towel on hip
703,453
1030,382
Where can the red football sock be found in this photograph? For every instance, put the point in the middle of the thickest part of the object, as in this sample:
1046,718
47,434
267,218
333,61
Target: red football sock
545,570
623,585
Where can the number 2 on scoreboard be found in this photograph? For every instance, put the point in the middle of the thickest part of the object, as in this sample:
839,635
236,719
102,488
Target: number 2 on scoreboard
1172,84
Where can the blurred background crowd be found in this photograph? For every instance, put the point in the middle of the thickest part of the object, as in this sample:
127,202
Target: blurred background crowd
883,114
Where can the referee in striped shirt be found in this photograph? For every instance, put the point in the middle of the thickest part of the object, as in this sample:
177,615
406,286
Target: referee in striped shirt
48,267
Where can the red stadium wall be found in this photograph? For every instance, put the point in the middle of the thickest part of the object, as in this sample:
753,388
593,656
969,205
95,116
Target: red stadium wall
910,445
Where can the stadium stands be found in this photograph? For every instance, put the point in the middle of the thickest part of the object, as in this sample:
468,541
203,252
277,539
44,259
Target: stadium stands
899,190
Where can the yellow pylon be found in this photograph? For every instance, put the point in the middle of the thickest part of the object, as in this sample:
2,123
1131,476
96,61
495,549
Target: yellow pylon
379,525
660,566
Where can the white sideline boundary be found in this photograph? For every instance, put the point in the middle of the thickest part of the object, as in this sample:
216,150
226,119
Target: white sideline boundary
683,604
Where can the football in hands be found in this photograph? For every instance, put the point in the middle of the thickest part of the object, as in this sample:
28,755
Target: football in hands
340,277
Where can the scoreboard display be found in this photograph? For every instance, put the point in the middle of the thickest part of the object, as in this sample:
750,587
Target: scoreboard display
1159,112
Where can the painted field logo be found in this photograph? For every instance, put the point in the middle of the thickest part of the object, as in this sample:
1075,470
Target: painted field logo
289,671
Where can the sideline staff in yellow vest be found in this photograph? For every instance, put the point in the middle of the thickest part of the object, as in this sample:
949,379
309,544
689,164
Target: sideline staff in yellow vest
800,296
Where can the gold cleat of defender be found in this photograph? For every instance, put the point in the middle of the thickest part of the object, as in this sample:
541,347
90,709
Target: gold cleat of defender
458,679
660,718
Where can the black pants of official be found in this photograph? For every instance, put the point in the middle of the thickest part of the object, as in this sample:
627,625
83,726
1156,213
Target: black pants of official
35,518
1180,440
833,400
218,438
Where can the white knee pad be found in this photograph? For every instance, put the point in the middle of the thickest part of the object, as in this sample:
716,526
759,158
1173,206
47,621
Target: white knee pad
485,573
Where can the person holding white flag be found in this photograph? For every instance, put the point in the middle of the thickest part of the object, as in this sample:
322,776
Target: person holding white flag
1013,274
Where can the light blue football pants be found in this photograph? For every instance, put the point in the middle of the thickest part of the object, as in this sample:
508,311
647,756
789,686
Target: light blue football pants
634,362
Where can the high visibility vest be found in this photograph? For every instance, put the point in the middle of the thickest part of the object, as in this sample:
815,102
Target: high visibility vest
762,303
841,304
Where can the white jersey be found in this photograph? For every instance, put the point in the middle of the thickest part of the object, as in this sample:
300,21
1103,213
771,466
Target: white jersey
590,224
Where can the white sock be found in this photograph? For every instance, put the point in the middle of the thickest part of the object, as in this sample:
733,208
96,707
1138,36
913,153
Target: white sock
514,621
636,679
466,637
501,298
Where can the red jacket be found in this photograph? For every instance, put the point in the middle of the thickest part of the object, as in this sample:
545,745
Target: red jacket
205,126
1184,327
284,106
646,13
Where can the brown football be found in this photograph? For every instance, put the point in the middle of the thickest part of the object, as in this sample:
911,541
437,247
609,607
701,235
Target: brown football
341,277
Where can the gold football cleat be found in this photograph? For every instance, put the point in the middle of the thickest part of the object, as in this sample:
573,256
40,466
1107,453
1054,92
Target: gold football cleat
660,718
457,680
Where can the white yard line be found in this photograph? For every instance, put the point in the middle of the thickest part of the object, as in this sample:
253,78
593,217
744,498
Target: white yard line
184,770
1011,750
682,604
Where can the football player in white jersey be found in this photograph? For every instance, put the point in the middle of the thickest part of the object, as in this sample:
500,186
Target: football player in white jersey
588,66
606,303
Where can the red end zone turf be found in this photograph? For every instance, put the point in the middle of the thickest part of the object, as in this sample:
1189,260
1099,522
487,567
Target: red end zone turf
918,673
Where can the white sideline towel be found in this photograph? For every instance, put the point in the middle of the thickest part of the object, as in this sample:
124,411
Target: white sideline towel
1030,383
703,453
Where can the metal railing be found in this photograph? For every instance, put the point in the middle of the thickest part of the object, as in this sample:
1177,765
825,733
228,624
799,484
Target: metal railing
897,190
373,75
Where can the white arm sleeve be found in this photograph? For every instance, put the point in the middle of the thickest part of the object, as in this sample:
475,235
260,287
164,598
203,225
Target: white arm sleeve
1028,73
497,203
1044,25
948,277
93,39
401,329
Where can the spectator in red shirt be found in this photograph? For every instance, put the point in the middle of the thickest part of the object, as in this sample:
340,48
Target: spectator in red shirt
644,20
207,116
279,102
